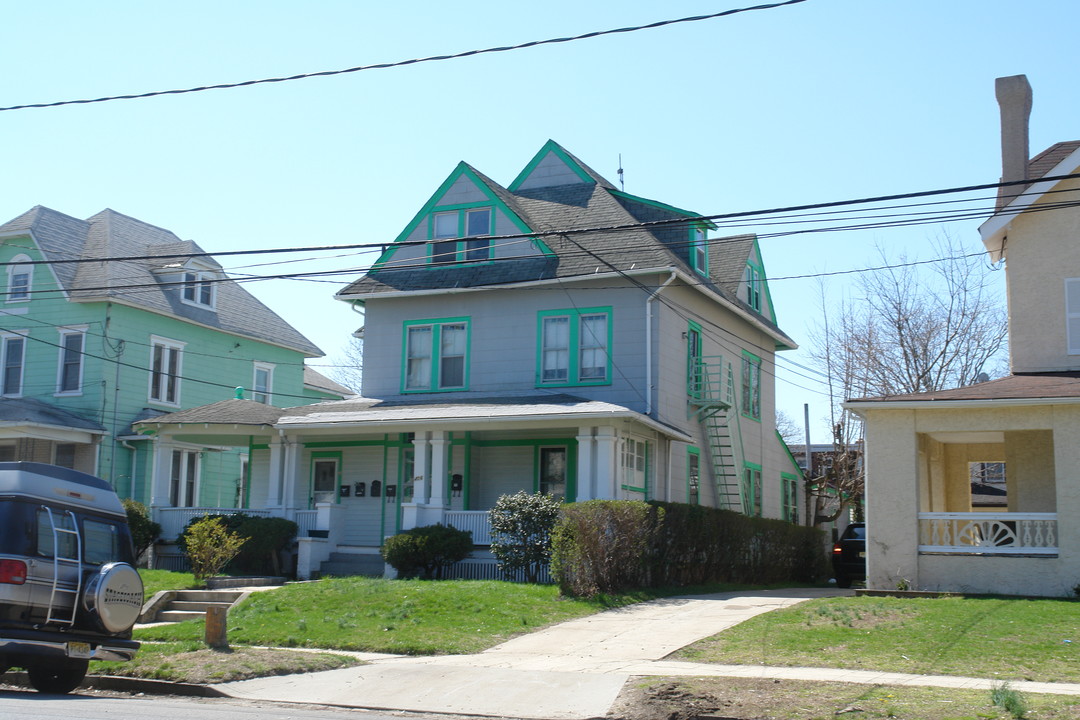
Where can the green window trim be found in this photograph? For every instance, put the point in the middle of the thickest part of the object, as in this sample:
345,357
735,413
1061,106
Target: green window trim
750,395
699,249
466,229
629,457
789,497
754,281
446,368
561,353
693,483
752,489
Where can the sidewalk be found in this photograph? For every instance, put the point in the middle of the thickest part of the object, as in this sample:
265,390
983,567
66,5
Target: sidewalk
574,670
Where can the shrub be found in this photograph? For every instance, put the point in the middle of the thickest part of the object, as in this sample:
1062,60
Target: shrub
521,526
616,545
144,531
209,546
427,550
265,538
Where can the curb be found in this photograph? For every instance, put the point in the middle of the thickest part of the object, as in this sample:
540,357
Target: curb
126,684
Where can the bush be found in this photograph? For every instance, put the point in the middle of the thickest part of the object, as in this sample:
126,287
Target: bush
427,550
144,531
607,546
209,546
521,526
265,538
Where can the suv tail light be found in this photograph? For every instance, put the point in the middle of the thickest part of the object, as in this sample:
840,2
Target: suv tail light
837,550
12,572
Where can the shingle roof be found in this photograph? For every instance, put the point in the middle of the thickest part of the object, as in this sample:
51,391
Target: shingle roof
36,412
1038,167
1036,386
314,378
573,206
225,412
112,234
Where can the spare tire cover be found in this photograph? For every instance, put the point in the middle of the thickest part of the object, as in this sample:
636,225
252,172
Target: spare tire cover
115,596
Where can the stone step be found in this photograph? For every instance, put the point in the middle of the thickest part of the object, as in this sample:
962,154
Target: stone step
179,615
358,557
215,596
195,606
371,565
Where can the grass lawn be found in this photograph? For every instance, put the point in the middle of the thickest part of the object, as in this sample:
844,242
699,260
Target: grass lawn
411,617
154,581
1004,638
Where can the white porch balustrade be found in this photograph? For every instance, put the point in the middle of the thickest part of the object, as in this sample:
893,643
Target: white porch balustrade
305,520
174,520
988,533
474,520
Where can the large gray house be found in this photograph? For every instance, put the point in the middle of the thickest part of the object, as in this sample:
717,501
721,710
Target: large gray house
554,335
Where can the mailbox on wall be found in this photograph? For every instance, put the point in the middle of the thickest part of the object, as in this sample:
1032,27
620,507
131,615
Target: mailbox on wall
376,488
391,491
360,489
344,491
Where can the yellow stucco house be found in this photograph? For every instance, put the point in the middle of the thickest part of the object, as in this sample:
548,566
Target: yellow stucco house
925,531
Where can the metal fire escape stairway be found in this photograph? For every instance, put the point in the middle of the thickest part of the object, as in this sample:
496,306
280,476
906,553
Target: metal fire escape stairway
712,400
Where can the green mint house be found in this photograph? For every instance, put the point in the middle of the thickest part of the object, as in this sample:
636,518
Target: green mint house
111,320
553,335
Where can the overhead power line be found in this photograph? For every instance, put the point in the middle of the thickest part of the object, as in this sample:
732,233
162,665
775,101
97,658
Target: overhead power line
402,63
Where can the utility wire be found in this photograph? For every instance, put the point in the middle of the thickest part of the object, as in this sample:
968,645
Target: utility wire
402,63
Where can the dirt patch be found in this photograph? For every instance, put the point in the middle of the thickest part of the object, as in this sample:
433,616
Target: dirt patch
700,698
205,666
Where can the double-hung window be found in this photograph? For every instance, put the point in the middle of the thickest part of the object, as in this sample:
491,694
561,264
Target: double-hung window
699,250
752,278
263,383
574,347
635,464
70,364
165,366
693,475
458,235
436,355
751,490
789,488
14,352
751,386
20,279
184,478
198,288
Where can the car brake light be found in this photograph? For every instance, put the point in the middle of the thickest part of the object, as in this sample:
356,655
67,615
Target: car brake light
837,549
12,572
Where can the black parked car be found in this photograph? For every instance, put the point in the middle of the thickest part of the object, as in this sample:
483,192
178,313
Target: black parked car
849,555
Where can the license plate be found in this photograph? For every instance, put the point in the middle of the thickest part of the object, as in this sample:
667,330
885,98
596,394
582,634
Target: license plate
862,554
79,650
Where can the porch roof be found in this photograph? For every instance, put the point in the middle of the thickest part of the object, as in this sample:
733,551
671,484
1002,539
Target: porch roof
29,417
500,409
1018,389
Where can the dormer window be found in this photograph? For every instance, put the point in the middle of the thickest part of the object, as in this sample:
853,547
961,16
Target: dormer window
20,279
198,288
462,230
699,250
752,280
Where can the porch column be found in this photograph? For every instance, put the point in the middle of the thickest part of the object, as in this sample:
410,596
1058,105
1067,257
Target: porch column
293,475
439,468
277,464
586,481
421,471
161,465
605,463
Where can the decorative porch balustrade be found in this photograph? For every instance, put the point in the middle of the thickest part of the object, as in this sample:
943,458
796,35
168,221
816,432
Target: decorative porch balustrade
474,520
988,533
305,520
174,520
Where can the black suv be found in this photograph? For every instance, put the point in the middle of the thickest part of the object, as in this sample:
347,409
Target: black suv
849,555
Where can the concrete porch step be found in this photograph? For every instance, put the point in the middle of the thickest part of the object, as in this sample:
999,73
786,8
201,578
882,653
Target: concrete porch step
213,596
179,615
199,607
344,564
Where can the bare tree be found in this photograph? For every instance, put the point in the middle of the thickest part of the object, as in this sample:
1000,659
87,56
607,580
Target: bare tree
789,430
349,364
905,329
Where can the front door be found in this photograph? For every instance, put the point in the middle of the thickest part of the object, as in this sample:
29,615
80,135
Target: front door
324,474
553,471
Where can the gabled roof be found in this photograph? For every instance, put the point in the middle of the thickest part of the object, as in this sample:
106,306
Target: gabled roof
110,234
225,412
570,197
315,379
1062,158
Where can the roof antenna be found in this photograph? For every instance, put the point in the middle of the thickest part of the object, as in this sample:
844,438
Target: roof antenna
622,181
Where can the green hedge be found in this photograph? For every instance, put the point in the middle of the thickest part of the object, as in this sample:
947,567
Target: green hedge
264,538
611,546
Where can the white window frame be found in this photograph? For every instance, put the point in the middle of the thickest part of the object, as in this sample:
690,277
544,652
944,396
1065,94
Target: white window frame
61,360
459,244
159,395
266,394
634,461
199,288
6,339
753,281
432,378
18,267
189,466
700,250
1072,317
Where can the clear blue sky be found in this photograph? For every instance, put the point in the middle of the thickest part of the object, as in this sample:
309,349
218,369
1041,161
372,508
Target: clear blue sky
826,100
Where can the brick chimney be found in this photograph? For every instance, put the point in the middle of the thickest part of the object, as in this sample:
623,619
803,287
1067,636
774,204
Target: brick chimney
1014,99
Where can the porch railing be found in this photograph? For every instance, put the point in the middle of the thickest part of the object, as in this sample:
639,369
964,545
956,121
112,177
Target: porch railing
988,533
475,520
174,520
305,520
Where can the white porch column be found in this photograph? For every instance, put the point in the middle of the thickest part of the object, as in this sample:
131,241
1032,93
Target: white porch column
277,464
421,469
293,476
586,480
605,463
439,468
161,465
